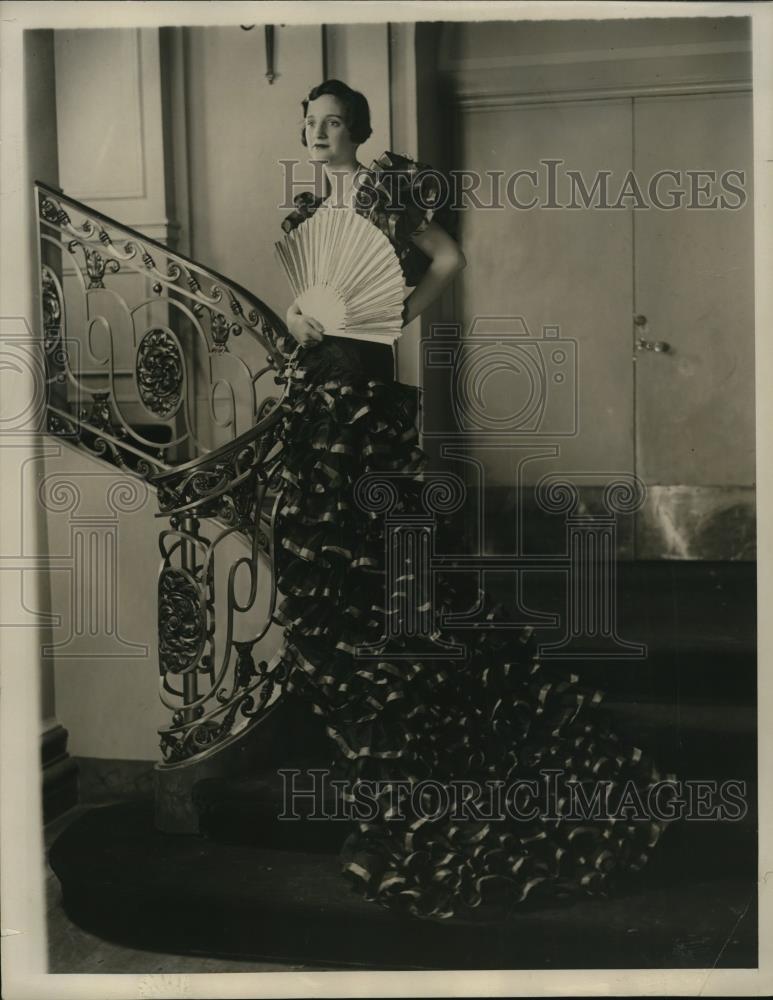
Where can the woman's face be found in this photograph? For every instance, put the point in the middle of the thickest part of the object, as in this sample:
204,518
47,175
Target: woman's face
327,135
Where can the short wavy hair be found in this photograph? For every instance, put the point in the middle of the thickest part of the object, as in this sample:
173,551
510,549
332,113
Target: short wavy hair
356,108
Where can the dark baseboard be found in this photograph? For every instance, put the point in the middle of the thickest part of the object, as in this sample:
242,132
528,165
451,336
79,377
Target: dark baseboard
60,774
691,523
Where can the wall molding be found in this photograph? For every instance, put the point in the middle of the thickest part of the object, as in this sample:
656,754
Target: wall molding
135,144
573,57
481,100
140,191
136,189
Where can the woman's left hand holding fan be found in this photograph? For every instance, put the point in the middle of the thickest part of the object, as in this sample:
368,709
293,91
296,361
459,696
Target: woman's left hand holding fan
305,329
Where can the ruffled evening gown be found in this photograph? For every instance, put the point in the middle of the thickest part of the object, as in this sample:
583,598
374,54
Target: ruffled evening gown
498,715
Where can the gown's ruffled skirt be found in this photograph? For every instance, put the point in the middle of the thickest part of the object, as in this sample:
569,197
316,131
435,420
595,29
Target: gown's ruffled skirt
496,719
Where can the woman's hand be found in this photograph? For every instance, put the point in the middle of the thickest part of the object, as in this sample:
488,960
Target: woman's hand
305,329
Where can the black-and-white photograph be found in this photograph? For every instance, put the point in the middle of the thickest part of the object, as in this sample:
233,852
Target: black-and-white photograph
380,431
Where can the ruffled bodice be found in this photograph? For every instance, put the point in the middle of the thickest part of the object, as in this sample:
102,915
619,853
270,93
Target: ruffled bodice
399,195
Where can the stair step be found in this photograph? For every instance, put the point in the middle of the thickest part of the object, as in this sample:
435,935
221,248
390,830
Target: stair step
697,620
692,716
697,743
124,881
722,675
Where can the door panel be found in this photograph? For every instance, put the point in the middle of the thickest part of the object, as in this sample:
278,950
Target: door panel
565,268
694,285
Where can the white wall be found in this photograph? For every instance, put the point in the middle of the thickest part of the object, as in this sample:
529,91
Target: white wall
104,558
358,54
239,127
103,553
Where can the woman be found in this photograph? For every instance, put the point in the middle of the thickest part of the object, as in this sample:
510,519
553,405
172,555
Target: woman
327,111
498,719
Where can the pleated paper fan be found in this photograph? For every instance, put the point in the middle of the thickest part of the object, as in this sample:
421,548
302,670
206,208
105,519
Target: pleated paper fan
345,273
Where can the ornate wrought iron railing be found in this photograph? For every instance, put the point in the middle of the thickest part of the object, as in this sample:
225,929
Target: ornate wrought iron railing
169,371
208,594
153,359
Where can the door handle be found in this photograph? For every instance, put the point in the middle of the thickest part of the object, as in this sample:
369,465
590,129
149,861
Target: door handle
658,346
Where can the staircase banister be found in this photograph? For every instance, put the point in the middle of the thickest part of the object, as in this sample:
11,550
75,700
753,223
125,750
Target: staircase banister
261,307
168,481
154,396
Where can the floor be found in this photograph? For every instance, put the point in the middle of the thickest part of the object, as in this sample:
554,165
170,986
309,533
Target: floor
73,950
695,908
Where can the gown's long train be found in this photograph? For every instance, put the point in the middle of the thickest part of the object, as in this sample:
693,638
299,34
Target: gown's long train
499,715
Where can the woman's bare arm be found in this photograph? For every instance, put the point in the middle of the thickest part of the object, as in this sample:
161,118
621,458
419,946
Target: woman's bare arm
447,260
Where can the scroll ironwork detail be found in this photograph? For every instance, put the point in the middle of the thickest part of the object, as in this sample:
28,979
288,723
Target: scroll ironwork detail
175,374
